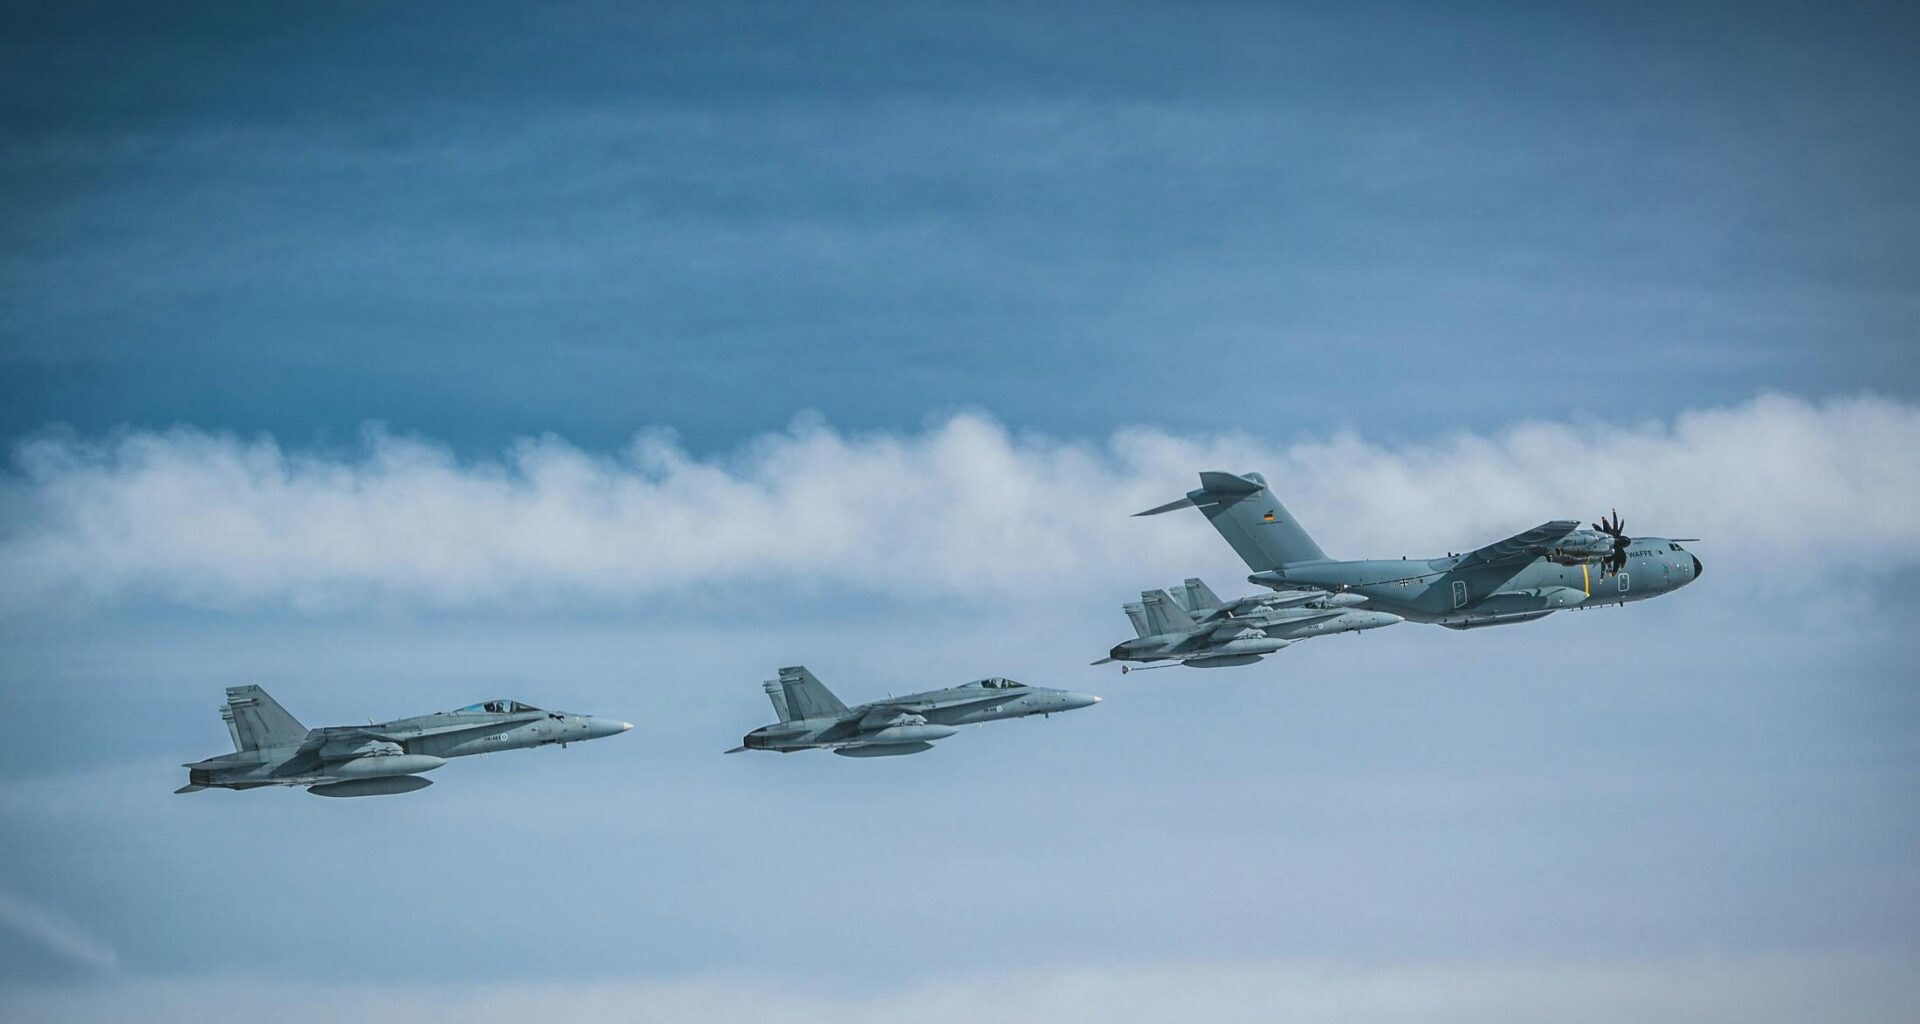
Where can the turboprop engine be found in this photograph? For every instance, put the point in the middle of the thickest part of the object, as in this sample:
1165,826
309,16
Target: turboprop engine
1581,546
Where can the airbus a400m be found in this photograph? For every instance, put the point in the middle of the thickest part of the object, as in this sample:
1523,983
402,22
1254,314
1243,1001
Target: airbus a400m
1552,567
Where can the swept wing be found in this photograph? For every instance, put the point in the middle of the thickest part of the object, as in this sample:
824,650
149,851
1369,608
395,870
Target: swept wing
1531,544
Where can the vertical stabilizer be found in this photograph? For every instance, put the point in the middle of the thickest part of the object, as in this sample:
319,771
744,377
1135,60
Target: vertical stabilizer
1263,533
1137,614
778,695
1163,616
808,697
1196,597
256,720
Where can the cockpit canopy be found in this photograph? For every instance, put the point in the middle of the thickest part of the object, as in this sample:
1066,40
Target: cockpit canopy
997,683
497,707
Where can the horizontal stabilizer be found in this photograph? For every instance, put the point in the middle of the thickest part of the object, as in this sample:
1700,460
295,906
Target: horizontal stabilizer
222,764
1250,518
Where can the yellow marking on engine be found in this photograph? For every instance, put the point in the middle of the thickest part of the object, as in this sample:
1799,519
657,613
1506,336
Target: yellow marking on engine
1586,579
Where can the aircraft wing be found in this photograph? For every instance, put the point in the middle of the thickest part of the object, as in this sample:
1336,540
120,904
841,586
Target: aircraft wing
1253,605
889,710
371,733
1531,544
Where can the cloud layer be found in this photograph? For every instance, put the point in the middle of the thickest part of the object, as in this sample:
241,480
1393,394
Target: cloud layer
964,508
1845,989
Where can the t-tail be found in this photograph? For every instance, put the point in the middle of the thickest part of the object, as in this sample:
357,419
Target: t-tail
803,696
257,721
1263,533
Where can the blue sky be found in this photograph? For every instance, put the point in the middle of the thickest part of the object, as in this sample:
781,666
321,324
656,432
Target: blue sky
485,225
612,356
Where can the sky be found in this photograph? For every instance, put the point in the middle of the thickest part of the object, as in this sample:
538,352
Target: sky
609,357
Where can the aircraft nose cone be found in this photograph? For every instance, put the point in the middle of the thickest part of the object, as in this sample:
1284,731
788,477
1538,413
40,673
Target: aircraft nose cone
1697,567
1075,701
601,727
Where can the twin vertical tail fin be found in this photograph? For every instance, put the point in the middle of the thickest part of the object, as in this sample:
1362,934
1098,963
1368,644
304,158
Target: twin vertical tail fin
1162,615
1137,614
1197,598
257,721
803,696
1260,529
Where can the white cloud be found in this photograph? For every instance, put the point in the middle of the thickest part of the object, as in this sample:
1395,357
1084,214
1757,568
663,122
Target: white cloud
56,934
963,508
1853,988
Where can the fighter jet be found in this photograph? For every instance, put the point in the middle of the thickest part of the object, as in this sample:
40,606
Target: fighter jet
1197,629
811,717
1554,566
271,748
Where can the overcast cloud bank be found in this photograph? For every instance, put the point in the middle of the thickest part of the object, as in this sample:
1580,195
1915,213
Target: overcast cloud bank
1835,988
964,508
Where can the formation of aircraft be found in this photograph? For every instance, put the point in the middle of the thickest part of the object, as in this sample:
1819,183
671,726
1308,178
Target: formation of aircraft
1552,567
272,748
1195,628
1555,566
812,718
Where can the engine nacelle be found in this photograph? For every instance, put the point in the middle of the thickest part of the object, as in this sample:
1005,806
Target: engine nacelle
1581,546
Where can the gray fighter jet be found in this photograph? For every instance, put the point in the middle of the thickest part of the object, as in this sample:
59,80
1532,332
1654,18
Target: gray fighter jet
811,717
271,748
1197,629
1552,567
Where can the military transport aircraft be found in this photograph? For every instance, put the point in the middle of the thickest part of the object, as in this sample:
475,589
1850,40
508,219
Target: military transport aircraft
1552,567
811,717
271,748
1198,630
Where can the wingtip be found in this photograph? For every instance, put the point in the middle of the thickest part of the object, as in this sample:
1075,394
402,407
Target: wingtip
735,750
